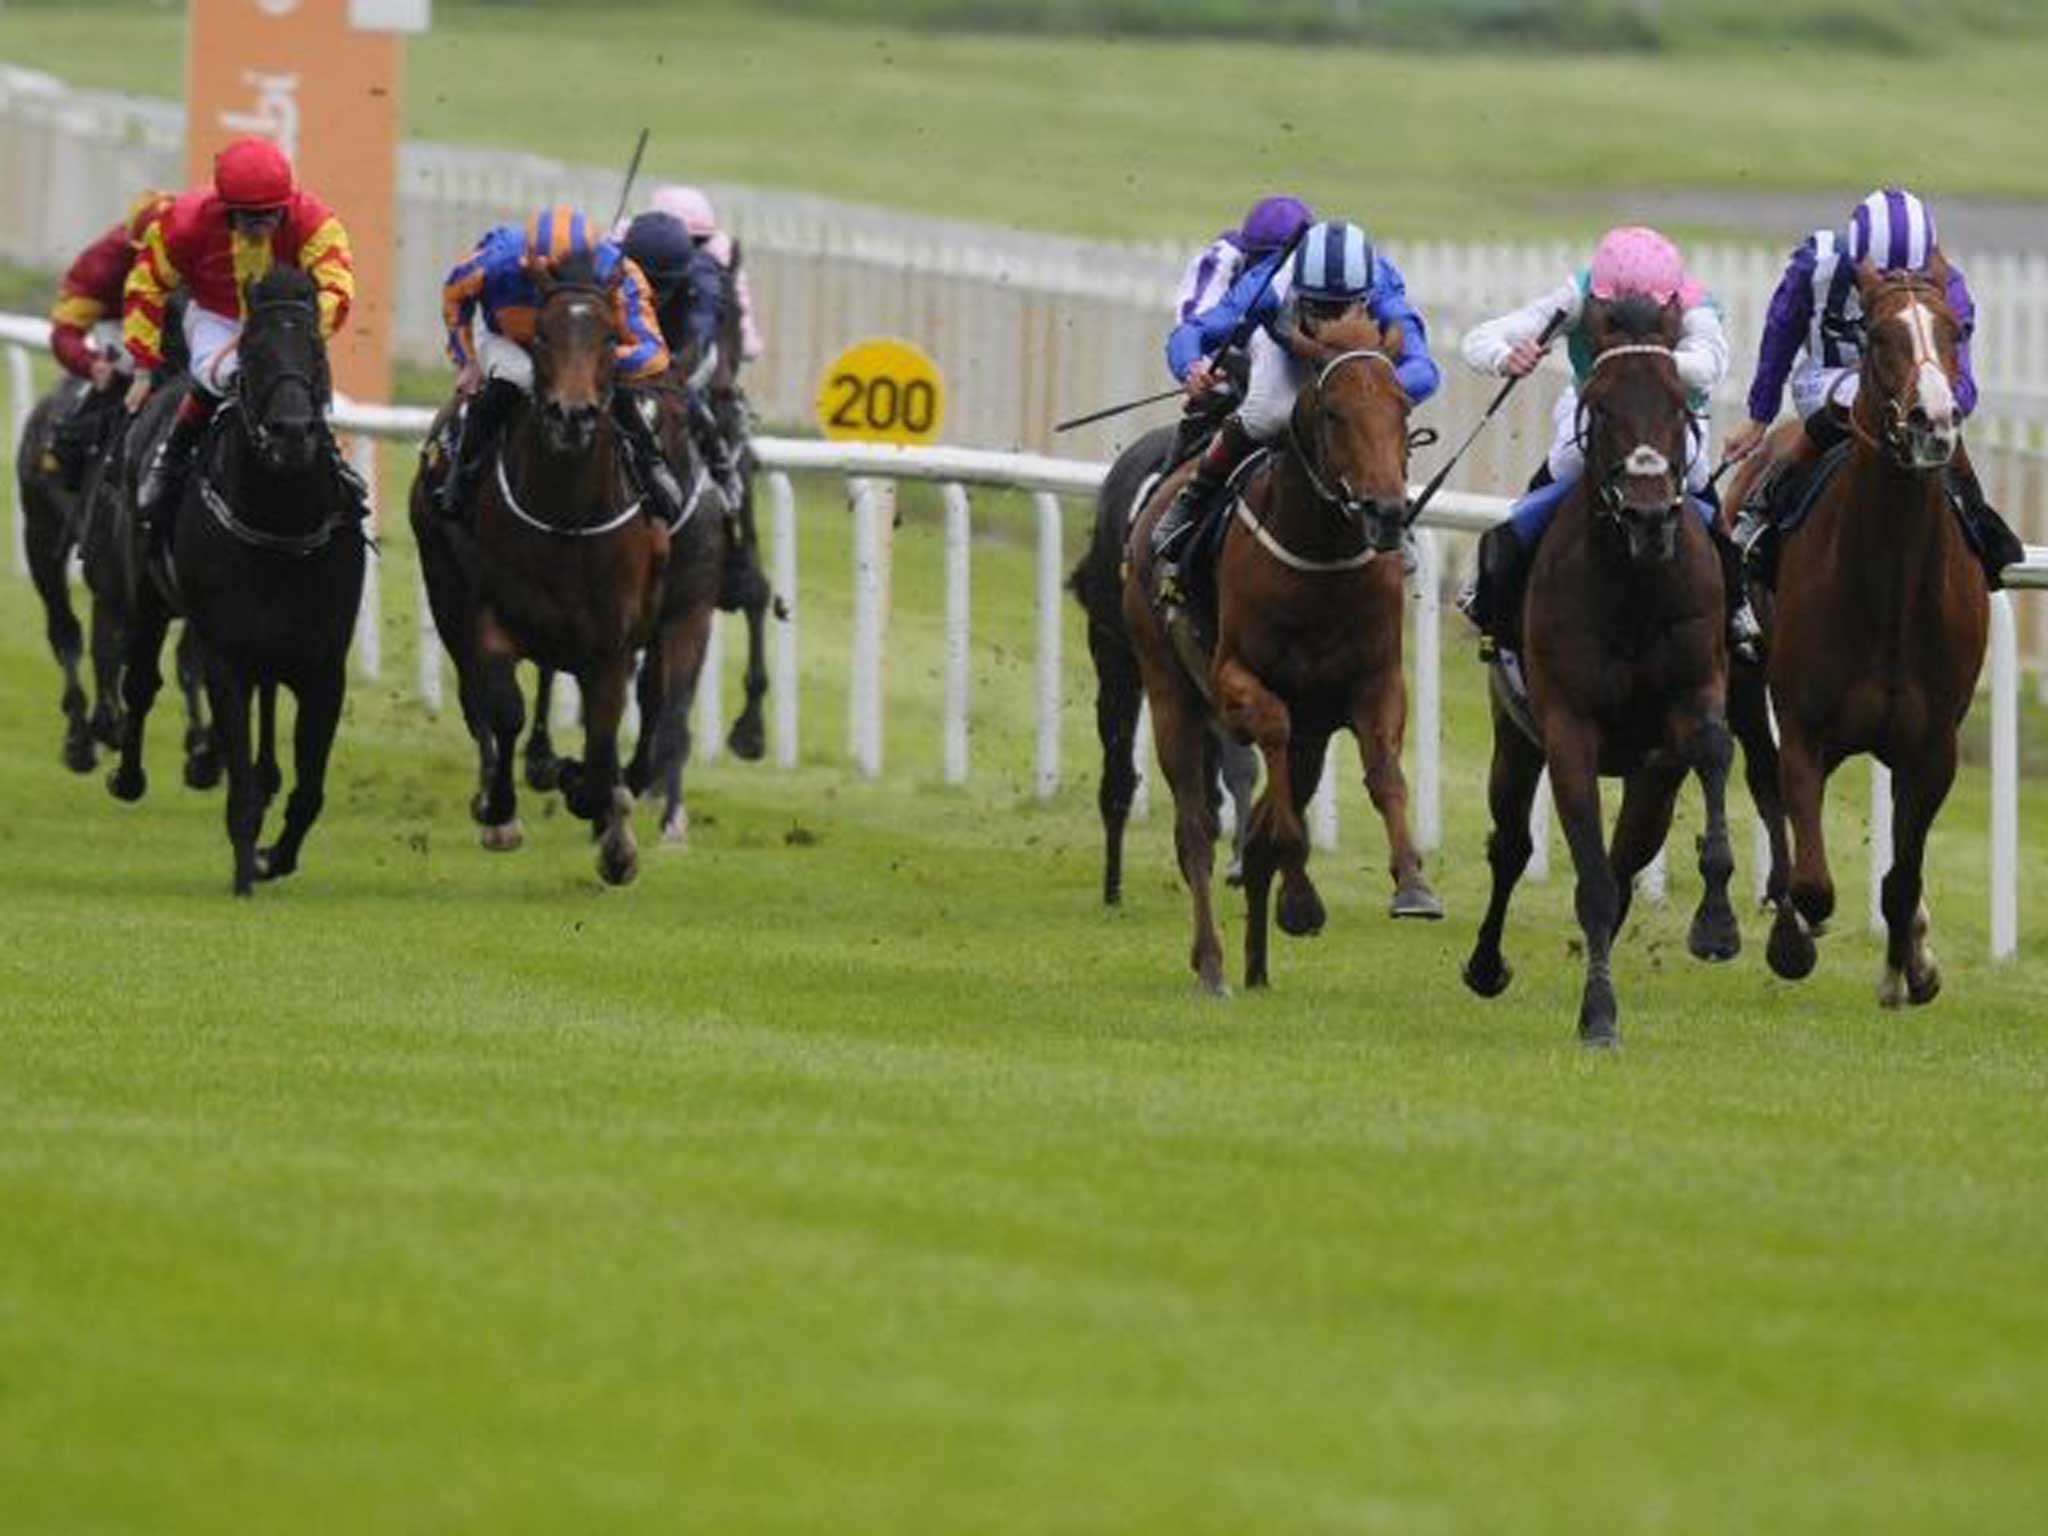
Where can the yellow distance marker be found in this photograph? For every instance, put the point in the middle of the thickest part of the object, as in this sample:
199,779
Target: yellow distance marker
882,390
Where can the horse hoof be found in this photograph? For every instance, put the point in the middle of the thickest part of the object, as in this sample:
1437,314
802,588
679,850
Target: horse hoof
1213,987
1791,951
274,864
618,860
1414,898
79,756
131,787
1488,980
543,772
1300,910
1599,1018
746,740
1714,935
502,838
1923,986
202,769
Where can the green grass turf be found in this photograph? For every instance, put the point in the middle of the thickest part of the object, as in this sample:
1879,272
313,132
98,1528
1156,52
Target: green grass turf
880,1180
1130,138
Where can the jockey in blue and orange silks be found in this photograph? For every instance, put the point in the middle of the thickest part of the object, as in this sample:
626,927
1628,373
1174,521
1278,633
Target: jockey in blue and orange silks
490,302
1329,272
1813,335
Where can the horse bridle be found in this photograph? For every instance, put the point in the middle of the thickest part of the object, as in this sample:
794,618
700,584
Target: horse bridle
1890,439
1310,456
1607,500
256,411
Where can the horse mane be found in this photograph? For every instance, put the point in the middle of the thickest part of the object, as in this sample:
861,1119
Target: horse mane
1354,331
1638,319
284,284
578,267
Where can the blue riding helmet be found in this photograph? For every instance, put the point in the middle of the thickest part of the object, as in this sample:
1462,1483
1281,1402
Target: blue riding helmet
1333,262
660,246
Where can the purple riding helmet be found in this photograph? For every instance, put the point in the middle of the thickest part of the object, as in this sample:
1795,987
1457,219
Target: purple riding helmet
1272,222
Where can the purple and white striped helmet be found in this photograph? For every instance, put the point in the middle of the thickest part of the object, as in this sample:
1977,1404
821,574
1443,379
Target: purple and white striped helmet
1893,230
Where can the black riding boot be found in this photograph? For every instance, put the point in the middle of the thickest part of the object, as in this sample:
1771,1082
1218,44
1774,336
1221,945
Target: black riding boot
1494,600
163,481
1994,542
1194,505
650,464
1745,633
718,454
481,422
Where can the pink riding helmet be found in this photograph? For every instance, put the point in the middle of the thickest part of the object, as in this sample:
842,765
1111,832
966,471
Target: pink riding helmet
1635,260
687,204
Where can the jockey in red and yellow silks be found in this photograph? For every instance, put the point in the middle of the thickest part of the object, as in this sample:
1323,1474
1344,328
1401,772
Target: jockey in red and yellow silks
212,242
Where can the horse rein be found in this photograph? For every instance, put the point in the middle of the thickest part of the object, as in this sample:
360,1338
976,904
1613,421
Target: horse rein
1890,442
314,380
1343,497
1642,460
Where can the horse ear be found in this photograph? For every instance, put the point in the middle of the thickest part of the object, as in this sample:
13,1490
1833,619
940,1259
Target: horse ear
1393,341
734,264
1594,318
1672,321
1938,268
1868,280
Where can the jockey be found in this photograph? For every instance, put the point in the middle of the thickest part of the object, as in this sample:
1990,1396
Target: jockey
694,209
1630,262
686,280
212,242
1814,334
1270,225
85,331
1332,271
491,299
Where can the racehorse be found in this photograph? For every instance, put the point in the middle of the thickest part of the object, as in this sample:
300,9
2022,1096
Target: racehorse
1307,640
1876,632
564,567
52,515
266,560
1625,654
1097,581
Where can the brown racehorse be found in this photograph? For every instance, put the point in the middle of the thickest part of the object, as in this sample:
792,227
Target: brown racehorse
1308,640
1626,659
565,568
1877,631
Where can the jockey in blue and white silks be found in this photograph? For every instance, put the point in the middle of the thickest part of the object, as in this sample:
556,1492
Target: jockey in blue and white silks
1333,269
1813,337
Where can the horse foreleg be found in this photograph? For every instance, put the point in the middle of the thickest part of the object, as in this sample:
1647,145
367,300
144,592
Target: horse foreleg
1301,905
1178,732
268,779
1118,693
228,688
1911,974
684,641
109,647
1810,897
1573,748
1640,829
1749,717
1510,793
1239,767
543,768
1379,720
1278,839
141,677
748,738
49,553
319,713
501,714
597,795
1710,752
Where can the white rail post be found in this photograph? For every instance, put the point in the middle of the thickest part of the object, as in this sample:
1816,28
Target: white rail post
21,398
708,734
1880,839
2005,779
782,680
1539,832
1429,694
362,453
1322,806
864,699
1046,777
959,674
429,653
1141,762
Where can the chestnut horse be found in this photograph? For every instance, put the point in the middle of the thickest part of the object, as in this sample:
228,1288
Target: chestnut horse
564,567
1625,653
1308,640
1877,630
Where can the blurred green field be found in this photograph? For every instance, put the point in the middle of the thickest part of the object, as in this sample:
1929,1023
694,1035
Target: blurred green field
855,1170
1143,137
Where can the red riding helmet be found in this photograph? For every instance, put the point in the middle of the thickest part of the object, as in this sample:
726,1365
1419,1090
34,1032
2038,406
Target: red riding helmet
253,173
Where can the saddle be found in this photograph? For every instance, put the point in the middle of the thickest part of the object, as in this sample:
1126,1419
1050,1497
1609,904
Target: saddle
1790,506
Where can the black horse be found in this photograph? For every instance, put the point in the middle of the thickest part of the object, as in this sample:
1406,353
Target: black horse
51,522
1099,584
266,560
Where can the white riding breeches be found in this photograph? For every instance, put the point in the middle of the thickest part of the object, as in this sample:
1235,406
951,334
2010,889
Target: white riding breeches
500,357
1814,387
1276,378
1567,462
212,341
105,336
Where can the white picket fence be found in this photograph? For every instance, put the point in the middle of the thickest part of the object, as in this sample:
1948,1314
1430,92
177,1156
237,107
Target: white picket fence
871,470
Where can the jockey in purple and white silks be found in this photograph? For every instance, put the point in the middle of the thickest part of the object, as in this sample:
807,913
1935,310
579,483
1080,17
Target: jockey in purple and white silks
1333,269
1813,336
1629,262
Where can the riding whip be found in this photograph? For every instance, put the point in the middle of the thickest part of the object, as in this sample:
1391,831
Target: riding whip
632,170
1549,333
1236,340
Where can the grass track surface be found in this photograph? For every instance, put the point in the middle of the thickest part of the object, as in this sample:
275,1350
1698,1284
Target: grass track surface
1146,138
878,1180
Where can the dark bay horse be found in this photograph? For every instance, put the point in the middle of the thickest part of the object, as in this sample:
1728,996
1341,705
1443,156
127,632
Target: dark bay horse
1877,630
564,566
1307,640
52,521
267,560
1098,582
1625,651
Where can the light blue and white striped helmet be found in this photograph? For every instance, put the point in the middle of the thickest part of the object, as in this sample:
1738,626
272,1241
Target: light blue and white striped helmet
1893,230
1333,261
